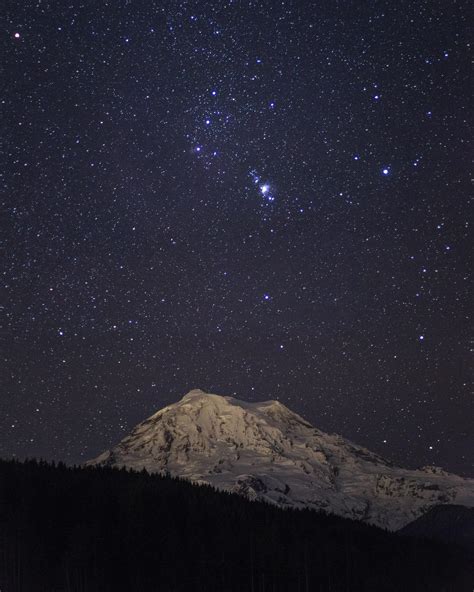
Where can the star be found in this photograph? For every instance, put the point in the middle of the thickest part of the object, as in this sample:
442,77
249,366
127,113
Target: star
270,196
255,177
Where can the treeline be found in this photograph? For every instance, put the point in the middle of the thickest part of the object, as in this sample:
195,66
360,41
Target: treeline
99,530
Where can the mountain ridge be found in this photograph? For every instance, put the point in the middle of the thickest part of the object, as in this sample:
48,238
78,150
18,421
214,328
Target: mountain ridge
265,451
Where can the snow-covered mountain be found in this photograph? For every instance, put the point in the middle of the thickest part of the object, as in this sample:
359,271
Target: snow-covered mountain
265,451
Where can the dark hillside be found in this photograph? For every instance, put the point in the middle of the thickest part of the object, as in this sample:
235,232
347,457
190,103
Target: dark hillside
447,523
105,530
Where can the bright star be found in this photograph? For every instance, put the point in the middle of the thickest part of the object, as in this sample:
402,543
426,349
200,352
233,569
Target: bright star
264,189
254,176
385,171
17,35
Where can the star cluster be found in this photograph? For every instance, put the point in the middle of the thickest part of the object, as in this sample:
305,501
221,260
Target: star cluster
265,199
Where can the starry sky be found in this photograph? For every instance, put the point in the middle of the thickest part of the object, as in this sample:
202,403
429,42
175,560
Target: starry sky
257,198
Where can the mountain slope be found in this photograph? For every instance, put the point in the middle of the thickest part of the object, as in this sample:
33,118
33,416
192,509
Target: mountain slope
446,523
265,451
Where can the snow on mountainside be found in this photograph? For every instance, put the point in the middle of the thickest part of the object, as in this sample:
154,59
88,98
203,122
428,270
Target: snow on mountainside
265,451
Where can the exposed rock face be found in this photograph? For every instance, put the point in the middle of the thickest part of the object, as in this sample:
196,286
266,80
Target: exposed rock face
265,451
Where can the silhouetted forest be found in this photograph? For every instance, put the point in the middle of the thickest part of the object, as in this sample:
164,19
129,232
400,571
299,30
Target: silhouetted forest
100,530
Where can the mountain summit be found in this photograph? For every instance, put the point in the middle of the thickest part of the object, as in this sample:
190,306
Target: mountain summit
266,451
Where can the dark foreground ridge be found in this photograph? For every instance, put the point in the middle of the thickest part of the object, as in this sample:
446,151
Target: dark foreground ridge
99,529
447,523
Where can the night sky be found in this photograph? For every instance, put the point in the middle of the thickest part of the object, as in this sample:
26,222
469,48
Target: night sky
259,199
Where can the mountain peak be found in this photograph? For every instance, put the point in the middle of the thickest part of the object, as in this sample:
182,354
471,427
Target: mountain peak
195,393
198,395
263,450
